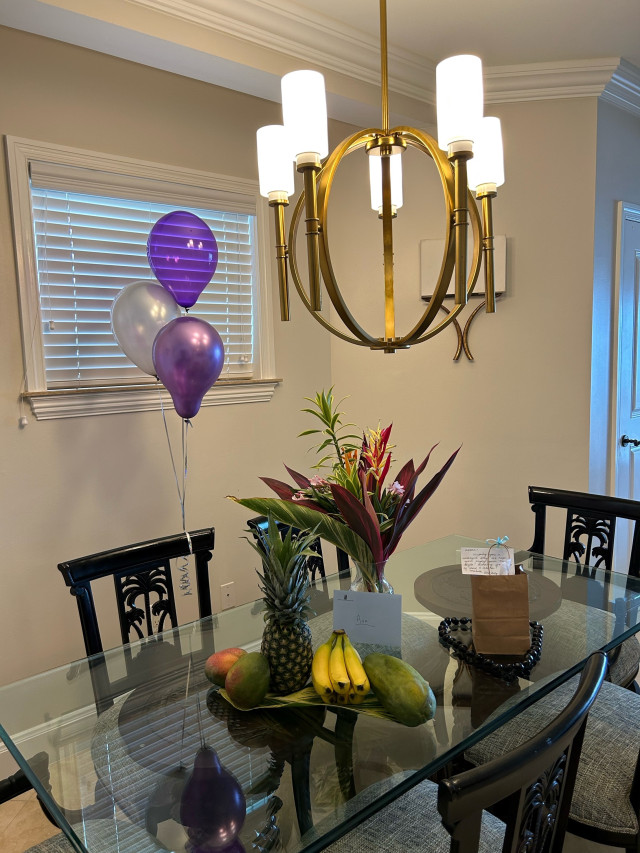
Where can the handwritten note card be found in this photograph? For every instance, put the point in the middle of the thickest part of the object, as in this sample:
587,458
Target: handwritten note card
369,617
482,561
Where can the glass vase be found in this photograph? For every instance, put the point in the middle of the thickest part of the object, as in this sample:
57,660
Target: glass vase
369,577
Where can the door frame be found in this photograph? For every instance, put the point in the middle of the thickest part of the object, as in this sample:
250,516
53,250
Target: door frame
626,211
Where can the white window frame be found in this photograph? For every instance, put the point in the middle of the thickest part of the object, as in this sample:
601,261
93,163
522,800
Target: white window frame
191,186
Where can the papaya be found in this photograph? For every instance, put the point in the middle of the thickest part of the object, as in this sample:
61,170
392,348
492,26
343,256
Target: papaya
247,681
400,689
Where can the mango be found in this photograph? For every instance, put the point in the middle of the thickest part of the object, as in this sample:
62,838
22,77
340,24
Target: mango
400,689
247,681
219,664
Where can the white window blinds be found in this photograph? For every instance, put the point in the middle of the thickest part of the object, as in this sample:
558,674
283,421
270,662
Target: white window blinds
88,247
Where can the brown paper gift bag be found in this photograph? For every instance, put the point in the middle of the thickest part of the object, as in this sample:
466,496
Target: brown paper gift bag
500,614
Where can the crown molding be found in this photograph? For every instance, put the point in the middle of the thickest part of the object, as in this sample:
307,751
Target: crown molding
302,34
548,80
623,89
254,32
287,28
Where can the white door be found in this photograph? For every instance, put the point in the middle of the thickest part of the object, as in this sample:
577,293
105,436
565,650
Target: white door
627,434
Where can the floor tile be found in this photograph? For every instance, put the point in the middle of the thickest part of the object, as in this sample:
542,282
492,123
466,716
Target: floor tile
28,827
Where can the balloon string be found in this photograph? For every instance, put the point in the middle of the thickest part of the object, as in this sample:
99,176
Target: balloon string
183,567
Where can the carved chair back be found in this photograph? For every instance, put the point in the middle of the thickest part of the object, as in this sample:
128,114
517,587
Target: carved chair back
590,526
532,785
143,584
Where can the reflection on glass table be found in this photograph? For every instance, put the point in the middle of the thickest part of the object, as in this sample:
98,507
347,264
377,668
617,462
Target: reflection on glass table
123,779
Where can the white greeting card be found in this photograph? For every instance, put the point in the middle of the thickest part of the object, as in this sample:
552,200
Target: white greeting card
487,561
368,617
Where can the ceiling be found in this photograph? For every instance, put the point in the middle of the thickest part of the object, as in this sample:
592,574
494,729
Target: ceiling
531,48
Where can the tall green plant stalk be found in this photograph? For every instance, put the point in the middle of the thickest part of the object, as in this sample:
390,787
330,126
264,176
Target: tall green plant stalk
333,429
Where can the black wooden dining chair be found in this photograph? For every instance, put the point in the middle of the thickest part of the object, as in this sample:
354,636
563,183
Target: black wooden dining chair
143,582
605,807
532,785
588,548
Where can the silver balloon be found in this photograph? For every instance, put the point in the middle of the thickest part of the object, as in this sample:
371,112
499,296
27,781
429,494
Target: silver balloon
138,313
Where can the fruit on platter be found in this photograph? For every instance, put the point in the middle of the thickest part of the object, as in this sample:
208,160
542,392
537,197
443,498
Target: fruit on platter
219,663
286,640
337,673
247,681
400,689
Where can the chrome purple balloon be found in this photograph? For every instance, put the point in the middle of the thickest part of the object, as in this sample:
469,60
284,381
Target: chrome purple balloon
188,355
212,806
183,254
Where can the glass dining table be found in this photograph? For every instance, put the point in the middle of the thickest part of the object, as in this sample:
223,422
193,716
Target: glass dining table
109,742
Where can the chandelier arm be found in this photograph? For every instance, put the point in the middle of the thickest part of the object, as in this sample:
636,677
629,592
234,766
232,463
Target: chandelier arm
460,223
387,239
295,275
281,258
310,172
488,251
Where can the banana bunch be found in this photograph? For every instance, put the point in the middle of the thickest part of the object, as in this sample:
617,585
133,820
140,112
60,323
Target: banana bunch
337,673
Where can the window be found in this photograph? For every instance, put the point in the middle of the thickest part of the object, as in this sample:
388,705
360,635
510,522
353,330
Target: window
81,225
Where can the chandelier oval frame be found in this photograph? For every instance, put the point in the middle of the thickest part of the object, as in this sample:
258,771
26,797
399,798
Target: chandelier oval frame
426,327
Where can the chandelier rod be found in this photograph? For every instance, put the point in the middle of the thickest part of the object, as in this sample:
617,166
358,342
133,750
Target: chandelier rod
384,67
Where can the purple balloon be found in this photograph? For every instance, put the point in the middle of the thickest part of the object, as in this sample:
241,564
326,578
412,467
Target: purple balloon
212,806
183,254
188,355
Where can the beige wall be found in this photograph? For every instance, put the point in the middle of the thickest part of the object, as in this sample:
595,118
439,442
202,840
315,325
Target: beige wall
521,410
75,486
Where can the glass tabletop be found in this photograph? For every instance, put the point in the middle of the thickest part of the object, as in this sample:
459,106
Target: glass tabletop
110,742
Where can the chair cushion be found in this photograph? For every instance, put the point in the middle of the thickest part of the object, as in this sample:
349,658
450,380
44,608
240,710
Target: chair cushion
608,759
98,835
411,824
569,636
624,666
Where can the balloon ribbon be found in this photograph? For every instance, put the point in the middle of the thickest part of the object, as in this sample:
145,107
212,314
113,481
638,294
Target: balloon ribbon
183,564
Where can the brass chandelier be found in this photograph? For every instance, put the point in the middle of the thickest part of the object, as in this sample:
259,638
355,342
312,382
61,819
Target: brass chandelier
463,134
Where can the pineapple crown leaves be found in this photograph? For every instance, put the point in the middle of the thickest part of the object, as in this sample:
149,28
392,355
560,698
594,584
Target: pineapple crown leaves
285,579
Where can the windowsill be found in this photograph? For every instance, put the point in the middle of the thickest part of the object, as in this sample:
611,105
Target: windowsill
112,400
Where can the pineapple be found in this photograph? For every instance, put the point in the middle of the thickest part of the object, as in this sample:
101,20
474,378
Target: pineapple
286,640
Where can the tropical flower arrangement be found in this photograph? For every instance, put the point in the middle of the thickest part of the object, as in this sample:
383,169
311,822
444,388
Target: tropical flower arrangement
353,506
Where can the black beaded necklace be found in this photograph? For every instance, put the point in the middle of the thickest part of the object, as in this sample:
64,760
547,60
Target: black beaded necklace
506,671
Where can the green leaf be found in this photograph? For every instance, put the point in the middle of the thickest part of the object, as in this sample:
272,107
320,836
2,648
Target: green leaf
308,697
334,532
308,432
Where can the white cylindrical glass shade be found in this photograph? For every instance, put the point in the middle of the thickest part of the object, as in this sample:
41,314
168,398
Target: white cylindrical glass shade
460,99
304,112
275,166
375,181
487,164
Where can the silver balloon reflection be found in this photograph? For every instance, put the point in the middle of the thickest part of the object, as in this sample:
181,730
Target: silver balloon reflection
138,313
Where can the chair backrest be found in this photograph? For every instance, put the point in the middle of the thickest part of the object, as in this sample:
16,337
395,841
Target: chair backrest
143,584
533,783
590,526
315,564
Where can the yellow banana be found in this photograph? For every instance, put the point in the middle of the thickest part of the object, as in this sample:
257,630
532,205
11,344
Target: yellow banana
356,698
320,669
337,669
355,670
